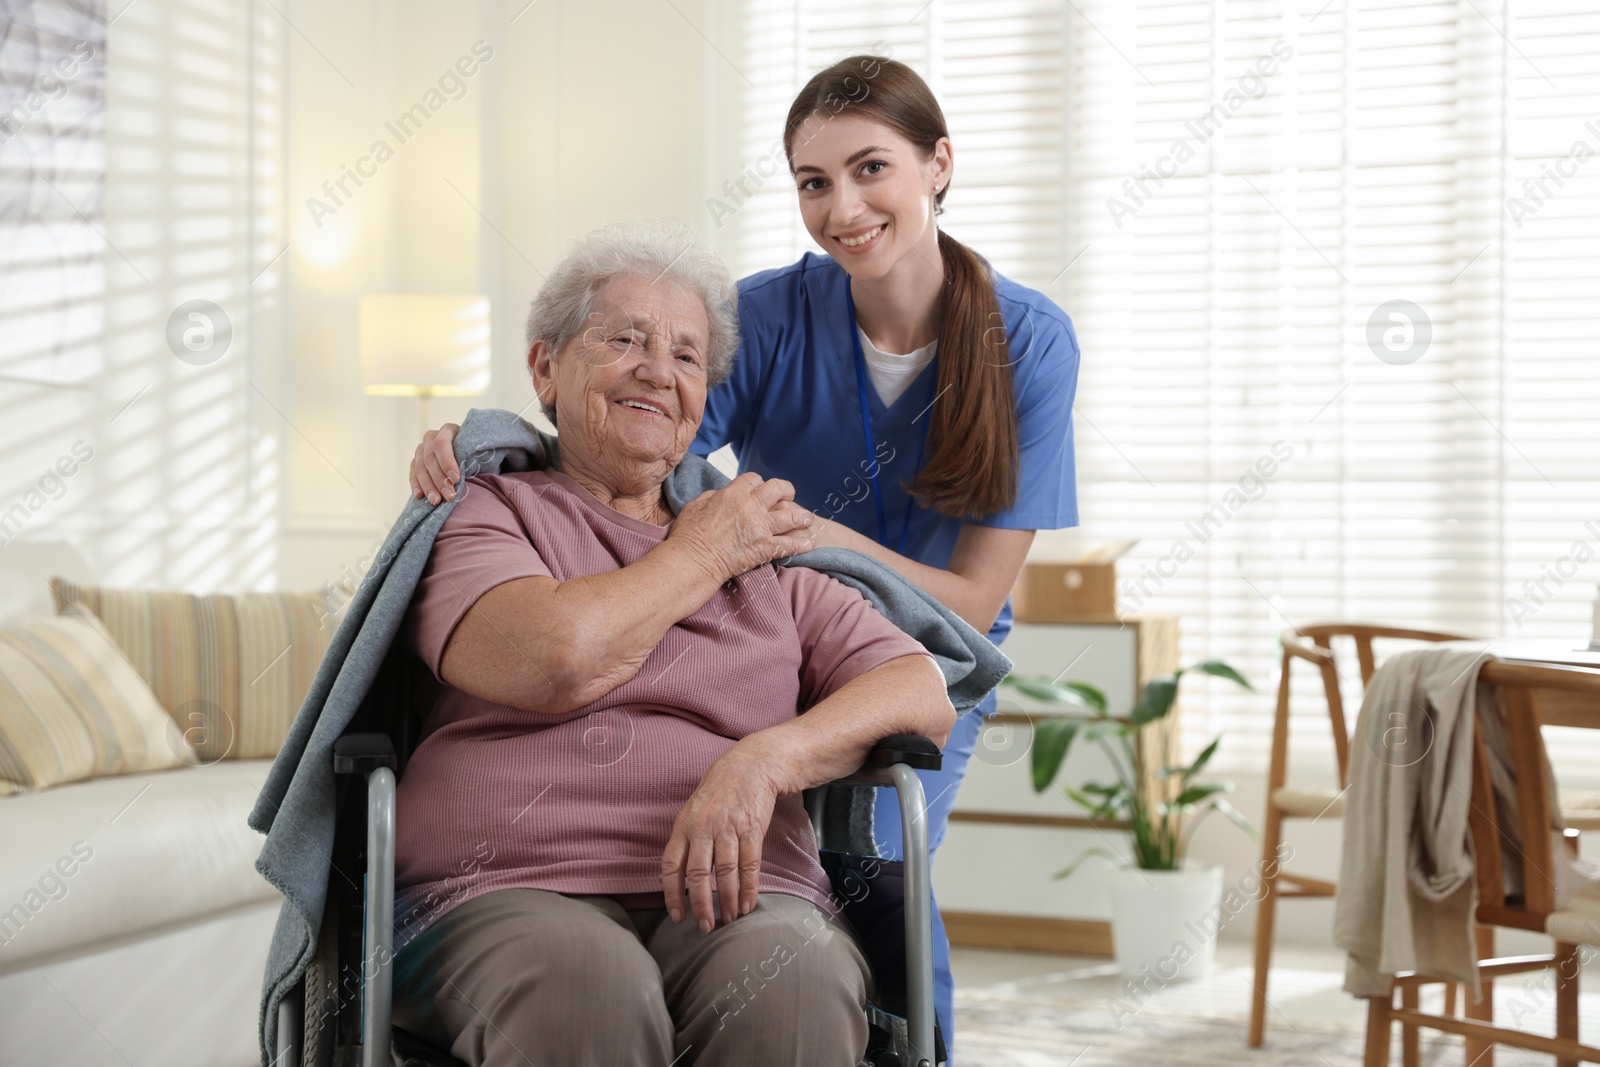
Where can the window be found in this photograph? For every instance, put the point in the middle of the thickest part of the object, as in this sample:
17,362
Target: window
52,161
997,68
1335,273
140,264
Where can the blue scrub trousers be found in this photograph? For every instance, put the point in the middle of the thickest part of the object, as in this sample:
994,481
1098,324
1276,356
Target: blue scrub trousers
941,787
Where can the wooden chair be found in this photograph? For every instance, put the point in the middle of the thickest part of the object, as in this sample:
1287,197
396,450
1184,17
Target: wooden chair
1524,687
1312,644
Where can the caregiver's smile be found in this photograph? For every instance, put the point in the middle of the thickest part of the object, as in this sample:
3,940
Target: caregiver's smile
861,241
865,194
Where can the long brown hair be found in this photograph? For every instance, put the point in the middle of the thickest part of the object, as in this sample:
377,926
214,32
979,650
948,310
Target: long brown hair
971,468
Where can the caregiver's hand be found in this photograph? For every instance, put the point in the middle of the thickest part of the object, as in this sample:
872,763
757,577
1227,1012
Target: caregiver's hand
433,467
748,522
716,841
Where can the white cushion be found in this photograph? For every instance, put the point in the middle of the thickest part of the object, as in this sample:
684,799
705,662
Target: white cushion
91,862
72,708
1577,921
1581,808
1309,803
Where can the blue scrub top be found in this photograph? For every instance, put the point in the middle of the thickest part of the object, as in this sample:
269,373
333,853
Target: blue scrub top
791,409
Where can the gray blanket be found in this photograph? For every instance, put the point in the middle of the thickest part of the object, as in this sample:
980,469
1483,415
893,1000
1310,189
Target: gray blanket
296,806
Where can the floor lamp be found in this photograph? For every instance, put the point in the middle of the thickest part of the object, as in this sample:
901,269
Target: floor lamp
424,345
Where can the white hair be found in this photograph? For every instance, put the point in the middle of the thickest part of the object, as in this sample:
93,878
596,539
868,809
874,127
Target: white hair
649,248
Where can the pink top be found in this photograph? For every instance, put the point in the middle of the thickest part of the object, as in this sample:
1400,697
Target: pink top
496,797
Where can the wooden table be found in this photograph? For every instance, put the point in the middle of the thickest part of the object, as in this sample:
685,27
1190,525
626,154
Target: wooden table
1560,707
1556,707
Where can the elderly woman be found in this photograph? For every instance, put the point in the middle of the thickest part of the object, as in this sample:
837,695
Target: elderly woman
602,854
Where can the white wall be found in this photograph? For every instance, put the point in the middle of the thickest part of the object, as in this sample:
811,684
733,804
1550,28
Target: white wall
269,467
585,114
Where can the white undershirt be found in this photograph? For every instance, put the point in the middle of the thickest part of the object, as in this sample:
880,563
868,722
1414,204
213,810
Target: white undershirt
891,374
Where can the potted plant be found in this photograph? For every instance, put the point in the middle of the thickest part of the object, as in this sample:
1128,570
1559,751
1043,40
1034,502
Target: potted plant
1159,906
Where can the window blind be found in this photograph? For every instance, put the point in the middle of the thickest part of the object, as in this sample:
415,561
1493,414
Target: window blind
1334,270
996,66
140,269
52,163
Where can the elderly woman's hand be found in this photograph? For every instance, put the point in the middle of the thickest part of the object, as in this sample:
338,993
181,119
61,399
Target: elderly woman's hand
716,841
433,466
748,522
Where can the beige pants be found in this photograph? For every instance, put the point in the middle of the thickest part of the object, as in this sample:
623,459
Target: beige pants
529,978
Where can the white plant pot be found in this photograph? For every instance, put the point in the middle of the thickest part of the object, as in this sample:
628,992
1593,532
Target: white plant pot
1162,922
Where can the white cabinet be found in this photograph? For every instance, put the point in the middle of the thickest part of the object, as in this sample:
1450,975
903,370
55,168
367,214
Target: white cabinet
993,873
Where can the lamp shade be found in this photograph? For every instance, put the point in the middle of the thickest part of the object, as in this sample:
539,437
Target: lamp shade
424,344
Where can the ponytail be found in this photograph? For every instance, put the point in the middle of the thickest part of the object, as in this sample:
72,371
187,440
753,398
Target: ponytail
971,469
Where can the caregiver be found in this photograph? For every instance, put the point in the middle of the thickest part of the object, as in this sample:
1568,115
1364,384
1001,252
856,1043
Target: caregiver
919,402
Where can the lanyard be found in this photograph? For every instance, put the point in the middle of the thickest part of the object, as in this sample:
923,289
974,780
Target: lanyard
866,430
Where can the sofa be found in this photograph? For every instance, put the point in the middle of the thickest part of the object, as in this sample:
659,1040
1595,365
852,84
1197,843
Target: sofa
133,925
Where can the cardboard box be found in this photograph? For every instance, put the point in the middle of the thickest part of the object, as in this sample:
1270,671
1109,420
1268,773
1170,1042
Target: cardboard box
1068,584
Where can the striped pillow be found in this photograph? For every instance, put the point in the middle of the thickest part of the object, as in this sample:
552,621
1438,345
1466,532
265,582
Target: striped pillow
231,670
72,707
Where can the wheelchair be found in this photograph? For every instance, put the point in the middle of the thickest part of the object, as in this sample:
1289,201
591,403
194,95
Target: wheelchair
338,1015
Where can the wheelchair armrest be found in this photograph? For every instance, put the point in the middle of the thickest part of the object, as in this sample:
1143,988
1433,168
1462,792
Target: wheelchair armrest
915,751
912,751
362,753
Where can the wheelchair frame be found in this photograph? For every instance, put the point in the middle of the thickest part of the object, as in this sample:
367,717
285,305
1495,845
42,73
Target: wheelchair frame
893,763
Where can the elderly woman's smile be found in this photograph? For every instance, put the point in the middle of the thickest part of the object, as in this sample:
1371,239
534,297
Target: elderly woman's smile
628,392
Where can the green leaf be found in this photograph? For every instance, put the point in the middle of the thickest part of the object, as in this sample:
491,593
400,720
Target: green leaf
1156,702
1051,740
1041,688
1078,797
1071,868
1091,696
1154,852
1100,729
1234,816
1104,808
1196,793
1219,669
1201,760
